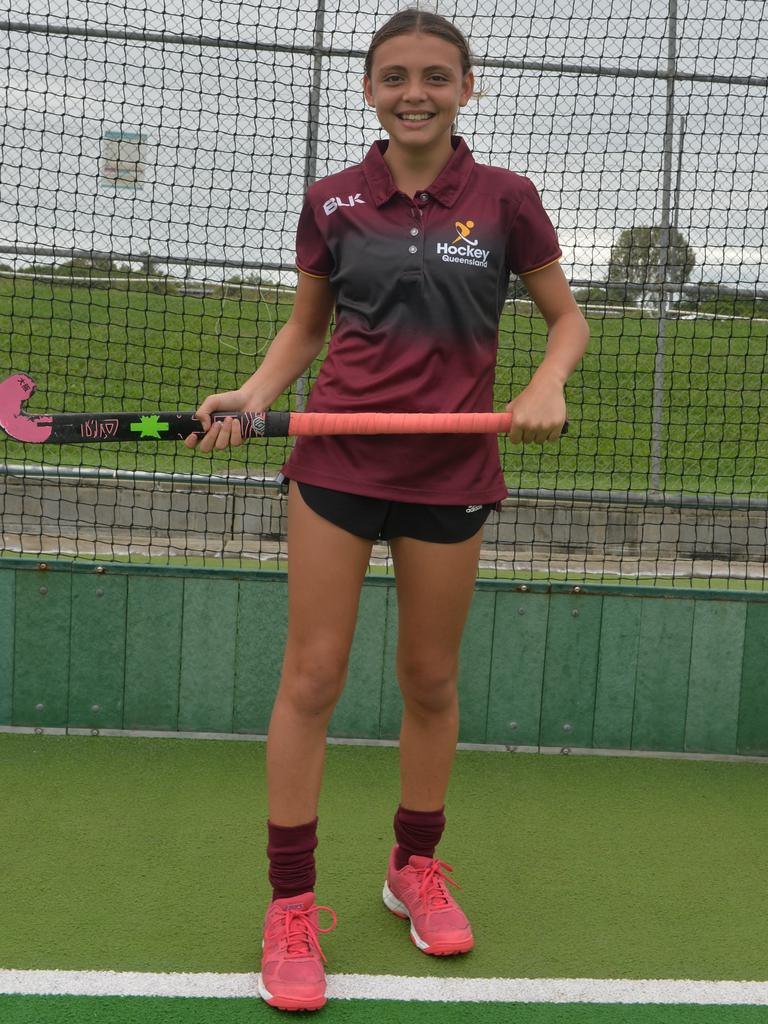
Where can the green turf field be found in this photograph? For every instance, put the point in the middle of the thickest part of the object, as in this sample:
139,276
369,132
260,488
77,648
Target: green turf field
109,350
126,1010
145,855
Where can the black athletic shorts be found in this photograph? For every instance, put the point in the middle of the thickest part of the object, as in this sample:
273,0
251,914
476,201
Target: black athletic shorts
379,519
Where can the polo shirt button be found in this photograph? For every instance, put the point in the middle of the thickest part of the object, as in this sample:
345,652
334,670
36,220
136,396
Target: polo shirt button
414,231
413,248
423,197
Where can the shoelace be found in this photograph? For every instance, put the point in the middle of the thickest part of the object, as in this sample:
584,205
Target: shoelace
301,931
433,884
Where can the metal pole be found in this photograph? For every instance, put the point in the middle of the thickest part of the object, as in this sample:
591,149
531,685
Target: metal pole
666,193
678,176
310,158
313,115
505,63
676,199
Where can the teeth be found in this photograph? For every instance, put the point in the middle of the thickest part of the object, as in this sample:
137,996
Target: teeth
415,117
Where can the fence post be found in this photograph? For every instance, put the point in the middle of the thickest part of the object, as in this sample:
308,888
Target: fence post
664,239
310,156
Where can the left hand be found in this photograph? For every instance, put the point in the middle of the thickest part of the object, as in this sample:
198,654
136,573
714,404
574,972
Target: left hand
538,412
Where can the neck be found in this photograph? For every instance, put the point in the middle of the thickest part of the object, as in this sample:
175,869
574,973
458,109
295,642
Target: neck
413,171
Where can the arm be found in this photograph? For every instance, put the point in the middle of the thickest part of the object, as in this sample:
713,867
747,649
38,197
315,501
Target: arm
292,350
538,412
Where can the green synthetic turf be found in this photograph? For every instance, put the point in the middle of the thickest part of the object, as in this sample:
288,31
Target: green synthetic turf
114,349
148,855
89,1010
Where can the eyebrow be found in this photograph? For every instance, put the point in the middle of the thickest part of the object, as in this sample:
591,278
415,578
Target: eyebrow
444,68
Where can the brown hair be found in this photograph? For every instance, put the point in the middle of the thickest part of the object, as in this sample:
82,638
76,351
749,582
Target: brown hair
414,20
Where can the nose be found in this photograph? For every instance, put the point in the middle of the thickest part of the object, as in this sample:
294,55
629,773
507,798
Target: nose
414,91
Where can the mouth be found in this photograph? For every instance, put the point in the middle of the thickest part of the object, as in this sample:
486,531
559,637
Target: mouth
415,118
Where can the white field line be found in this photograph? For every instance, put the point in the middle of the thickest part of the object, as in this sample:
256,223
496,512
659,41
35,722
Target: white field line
394,987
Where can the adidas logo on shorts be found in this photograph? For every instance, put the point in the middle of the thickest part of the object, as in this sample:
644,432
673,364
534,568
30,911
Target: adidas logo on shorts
474,508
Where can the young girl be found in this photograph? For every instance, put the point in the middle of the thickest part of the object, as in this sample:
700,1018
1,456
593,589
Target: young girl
413,248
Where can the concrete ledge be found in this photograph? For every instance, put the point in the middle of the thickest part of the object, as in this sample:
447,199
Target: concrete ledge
165,519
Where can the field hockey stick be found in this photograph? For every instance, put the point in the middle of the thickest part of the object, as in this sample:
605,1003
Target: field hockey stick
83,427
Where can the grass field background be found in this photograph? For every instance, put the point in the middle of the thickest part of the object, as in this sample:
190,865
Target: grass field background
107,350
141,854
148,855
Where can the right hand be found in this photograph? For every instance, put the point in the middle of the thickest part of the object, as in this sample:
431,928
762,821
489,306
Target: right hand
222,433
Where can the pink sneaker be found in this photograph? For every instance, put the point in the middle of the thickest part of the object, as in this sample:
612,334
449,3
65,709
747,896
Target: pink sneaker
419,892
292,975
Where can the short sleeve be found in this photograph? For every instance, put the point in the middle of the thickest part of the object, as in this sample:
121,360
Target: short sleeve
532,243
312,254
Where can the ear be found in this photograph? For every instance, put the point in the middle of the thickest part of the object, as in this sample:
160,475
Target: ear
467,89
368,91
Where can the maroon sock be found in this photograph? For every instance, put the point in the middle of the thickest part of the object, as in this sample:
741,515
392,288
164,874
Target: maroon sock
417,834
291,852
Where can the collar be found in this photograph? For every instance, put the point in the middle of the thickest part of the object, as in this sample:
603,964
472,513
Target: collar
446,187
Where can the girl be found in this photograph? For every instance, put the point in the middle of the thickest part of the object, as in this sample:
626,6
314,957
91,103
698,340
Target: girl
413,249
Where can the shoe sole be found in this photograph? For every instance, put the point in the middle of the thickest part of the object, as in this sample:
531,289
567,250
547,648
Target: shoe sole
286,1003
399,909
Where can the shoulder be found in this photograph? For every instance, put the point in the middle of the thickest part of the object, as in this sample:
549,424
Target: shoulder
508,185
513,197
340,185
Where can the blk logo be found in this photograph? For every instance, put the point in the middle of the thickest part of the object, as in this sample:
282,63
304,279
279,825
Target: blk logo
333,204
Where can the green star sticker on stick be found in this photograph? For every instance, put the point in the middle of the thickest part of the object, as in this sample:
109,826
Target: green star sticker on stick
149,426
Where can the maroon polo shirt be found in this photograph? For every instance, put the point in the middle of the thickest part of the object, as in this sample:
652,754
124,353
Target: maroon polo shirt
420,284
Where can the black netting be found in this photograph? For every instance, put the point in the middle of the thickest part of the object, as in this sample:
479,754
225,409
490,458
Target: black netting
152,166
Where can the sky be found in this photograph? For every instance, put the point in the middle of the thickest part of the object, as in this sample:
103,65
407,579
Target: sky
224,128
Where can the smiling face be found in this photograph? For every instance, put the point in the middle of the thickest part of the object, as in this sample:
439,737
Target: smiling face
417,85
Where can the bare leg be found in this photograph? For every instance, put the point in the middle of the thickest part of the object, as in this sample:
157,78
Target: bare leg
435,583
326,566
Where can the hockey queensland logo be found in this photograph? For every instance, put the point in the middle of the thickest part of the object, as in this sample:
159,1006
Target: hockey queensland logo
464,248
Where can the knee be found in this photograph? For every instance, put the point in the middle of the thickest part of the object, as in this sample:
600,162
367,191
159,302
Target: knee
428,686
313,684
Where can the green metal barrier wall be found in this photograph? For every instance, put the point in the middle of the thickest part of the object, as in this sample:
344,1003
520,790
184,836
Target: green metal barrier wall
141,648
